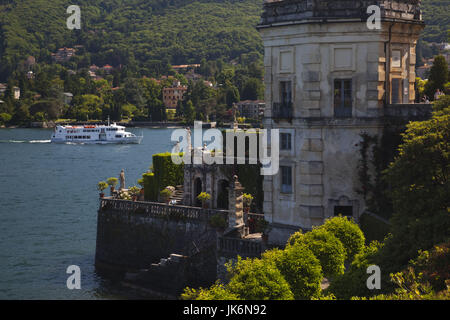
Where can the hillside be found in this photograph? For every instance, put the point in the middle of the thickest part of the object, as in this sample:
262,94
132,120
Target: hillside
436,14
149,33
131,31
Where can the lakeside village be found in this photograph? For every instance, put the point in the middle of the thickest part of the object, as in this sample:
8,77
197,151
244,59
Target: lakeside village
45,94
340,95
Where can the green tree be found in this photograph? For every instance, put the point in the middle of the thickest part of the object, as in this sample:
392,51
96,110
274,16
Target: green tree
300,268
326,247
353,281
216,292
189,112
419,183
438,76
348,232
256,279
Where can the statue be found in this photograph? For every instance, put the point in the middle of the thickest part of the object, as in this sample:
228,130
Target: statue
122,180
188,138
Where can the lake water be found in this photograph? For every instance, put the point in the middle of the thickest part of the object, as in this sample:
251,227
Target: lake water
48,209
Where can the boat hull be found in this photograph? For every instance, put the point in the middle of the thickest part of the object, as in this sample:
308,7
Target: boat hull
127,140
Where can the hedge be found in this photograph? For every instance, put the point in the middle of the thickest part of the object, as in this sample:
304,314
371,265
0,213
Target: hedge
165,173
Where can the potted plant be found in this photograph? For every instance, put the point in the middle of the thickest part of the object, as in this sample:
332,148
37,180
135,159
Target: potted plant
102,185
165,195
134,191
204,197
247,199
124,195
141,192
112,182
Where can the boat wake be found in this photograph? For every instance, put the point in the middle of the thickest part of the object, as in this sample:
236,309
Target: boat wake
25,141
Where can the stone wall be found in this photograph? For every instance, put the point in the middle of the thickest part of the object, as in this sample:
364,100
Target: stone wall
130,240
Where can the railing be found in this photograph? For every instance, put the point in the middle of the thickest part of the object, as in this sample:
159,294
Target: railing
155,209
409,111
243,247
282,110
342,112
294,10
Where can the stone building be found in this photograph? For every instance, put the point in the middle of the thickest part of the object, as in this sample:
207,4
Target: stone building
173,94
329,78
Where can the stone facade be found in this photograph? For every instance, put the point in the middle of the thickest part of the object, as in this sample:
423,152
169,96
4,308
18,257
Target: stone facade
329,78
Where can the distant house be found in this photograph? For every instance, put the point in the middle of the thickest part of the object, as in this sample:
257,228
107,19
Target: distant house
30,74
193,76
173,94
16,92
68,97
63,54
107,68
185,67
253,109
93,68
31,61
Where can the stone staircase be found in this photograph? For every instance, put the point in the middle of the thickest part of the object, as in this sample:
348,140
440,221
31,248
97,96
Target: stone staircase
178,194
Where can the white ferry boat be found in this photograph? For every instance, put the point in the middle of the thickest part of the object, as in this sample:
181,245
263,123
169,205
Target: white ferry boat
101,134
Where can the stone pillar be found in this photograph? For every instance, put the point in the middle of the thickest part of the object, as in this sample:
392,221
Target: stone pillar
235,204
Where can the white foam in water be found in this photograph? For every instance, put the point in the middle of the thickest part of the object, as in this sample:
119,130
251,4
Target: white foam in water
40,141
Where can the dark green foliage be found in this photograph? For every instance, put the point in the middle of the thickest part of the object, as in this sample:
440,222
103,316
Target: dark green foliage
144,35
250,178
302,271
373,228
326,247
166,172
434,264
256,279
217,292
419,180
438,76
437,20
150,187
353,281
348,232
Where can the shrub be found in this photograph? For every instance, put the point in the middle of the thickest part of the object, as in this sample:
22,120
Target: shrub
348,232
294,238
328,249
255,279
112,181
165,194
166,172
5,118
434,265
301,269
102,185
373,228
217,292
247,199
204,196
353,281
134,190
151,189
